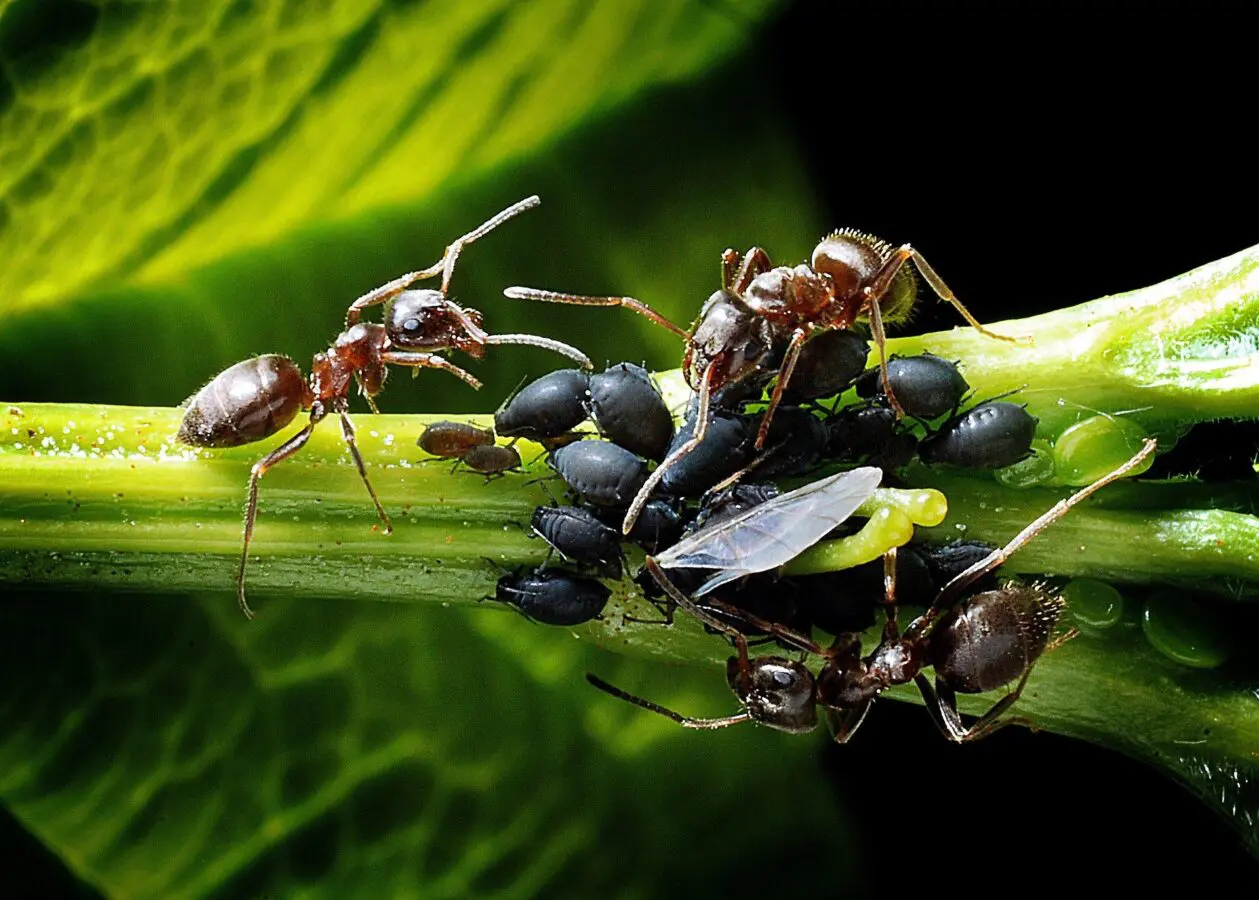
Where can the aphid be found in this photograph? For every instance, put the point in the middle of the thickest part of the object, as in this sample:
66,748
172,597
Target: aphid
580,537
491,460
859,432
734,501
725,450
660,525
553,596
451,440
254,399
546,408
991,435
797,441
772,533
828,364
629,411
758,323
980,643
601,472
925,386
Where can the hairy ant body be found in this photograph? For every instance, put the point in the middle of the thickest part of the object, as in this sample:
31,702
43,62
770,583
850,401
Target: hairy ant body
756,326
980,643
254,399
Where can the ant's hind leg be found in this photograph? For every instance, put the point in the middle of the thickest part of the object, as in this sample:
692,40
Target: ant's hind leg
278,455
942,704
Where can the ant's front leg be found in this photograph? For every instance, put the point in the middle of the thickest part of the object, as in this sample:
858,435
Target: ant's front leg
430,361
739,269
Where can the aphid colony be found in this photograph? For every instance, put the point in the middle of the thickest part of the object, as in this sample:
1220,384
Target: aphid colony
761,359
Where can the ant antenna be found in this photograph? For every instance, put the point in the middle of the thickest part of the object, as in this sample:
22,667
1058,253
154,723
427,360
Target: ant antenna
684,721
533,340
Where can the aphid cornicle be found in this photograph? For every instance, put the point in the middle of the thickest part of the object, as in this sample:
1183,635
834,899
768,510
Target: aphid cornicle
254,399
756,326
975,643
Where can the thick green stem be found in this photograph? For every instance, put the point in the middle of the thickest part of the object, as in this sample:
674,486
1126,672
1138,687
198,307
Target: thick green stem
94,498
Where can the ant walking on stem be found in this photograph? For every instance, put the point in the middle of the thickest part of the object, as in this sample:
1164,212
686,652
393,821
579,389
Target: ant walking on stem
254,399
977,643
757,324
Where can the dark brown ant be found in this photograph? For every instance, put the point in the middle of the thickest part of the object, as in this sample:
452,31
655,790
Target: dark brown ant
254,399
756,325
977,644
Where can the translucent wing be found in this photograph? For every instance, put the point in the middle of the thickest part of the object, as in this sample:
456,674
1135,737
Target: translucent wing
774,533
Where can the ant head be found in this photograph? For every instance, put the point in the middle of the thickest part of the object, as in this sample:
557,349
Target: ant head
425,320
777,692
731,337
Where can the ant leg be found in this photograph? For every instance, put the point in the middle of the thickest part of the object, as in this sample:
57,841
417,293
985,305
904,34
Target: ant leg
684,721
445,265
844,725
905,253
347,432
1056,512
278,455
879,336
697,437
942,704
545,343
792,353
638,306
739,269
428,360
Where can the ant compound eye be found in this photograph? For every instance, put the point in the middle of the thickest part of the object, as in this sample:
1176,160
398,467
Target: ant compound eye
784,678
411,325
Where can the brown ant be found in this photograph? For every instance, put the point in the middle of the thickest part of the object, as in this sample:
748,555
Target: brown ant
254,399
977,644
756,325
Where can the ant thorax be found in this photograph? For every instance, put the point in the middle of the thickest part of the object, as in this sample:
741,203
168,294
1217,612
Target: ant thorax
791,296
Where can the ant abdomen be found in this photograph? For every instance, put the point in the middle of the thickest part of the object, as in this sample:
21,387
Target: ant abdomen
852,258
994,637
246,402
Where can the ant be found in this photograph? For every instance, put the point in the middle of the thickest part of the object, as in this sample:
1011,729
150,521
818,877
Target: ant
756,325
254,399
980,643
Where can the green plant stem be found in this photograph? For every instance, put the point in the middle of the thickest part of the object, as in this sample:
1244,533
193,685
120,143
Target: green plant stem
101,497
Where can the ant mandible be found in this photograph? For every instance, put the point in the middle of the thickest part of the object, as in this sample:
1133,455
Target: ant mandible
254,399
756,325
977,644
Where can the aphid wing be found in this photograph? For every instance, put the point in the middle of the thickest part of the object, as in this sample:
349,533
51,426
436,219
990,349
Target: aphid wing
769,535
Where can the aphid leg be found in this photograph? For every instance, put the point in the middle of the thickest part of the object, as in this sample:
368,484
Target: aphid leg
1001,554
697,436
278,455
792,353
431,361
533,340
879,337
347,432
942,704
684,721
682,600
638,306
